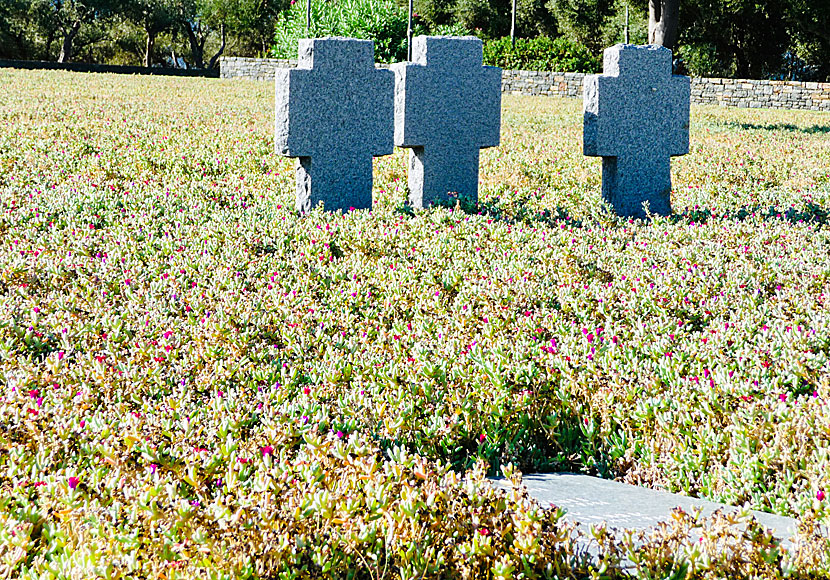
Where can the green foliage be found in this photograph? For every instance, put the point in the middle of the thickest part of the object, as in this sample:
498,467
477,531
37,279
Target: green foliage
583,20
741,38
541,53
454,29
382,21
197,382
704,60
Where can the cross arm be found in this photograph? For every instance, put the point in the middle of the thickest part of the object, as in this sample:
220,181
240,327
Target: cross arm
292,137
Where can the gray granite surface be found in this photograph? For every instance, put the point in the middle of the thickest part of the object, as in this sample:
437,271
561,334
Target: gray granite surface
447,107
591,500
636,117
335,111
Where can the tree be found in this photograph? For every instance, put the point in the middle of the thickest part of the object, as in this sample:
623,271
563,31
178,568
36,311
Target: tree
743,38
153,17
199,19
663,16
583,20
809,25
70,15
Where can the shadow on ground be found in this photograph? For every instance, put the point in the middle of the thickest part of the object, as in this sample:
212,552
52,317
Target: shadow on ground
812,130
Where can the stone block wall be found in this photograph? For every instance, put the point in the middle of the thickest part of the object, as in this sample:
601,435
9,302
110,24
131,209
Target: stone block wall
705,91
761,94
256,69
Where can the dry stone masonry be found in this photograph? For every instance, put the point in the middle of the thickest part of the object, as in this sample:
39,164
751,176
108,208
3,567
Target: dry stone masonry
705,91
636,118
447,107
335,112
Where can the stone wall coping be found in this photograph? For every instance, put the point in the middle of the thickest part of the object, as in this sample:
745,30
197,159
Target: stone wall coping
717,91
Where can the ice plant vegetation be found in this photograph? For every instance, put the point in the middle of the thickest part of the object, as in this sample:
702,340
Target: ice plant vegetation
197,382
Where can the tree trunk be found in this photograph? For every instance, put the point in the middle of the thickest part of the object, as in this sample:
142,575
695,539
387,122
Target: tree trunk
50,38
662,22
148,51
197,49
216,56
66,47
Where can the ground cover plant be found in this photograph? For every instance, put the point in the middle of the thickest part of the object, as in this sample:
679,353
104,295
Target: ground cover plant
199,383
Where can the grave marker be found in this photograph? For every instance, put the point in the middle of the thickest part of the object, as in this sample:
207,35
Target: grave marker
335,111
447,107
636,118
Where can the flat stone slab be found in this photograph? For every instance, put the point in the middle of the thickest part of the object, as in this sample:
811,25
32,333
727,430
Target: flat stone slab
591,500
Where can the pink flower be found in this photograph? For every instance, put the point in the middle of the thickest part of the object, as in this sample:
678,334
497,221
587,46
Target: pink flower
267,450
340,434
128,281
306,390
782,397
820,495
73,482
482,438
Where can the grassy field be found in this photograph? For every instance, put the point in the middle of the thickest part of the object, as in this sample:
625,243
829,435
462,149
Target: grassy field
198,382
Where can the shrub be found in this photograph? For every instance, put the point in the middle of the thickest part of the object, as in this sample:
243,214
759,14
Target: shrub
541,53
382,21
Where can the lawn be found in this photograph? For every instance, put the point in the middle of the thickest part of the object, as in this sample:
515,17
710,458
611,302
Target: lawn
199,383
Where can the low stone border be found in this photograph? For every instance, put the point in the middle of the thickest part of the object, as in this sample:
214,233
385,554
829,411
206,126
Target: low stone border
705,91
108,68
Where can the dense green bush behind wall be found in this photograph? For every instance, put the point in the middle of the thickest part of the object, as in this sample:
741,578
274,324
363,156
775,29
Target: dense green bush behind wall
541,53
382,21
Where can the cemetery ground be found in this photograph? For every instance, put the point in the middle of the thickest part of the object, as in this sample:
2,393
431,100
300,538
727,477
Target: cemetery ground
197,382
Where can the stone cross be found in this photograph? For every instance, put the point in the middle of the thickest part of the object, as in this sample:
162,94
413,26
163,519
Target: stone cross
335,112
447,107
636,118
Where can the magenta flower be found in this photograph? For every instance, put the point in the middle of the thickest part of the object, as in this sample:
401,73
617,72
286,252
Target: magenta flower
73,482
267,450
820,495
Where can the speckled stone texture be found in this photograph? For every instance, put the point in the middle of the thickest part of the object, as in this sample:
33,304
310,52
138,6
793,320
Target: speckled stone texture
636,118
335,112
447,107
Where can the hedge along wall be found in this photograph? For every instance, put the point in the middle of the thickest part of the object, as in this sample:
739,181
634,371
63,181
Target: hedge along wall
725,92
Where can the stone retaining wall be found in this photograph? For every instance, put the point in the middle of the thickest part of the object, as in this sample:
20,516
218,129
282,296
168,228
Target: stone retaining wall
725,92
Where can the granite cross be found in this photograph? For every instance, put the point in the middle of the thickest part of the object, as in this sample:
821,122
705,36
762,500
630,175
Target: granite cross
447,107
636,118
335,111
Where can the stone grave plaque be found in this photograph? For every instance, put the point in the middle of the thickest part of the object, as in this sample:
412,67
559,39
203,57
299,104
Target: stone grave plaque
591,500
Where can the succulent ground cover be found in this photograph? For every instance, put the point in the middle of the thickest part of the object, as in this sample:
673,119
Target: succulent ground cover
199,383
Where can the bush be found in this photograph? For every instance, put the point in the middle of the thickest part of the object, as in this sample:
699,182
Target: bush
703,60
541,53
382,21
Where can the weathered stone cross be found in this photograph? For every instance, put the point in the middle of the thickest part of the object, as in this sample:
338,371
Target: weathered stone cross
636,118
447,107
335,112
